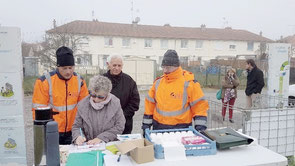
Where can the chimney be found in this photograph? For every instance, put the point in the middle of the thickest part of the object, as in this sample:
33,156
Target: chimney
54,23
203,27
260,33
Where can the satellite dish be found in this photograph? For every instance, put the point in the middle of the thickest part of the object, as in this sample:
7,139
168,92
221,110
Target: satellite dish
137,19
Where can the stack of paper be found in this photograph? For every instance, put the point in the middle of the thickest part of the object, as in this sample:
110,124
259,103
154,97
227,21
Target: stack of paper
87,148
174,151
128,137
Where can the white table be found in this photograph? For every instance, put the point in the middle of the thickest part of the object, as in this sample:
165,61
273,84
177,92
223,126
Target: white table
238,156
253,154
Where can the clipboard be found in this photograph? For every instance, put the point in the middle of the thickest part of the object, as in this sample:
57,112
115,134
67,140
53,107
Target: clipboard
227,137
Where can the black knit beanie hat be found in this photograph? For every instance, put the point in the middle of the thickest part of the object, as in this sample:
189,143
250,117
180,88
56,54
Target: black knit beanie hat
64,57
170,58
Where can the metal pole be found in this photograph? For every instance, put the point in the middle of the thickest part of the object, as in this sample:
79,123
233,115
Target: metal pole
219,72
206,76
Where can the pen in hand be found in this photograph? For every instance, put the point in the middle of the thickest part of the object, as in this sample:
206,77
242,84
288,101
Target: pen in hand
118,160
81,139
81,133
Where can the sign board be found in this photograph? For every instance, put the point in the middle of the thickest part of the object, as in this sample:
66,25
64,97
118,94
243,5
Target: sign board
12,136
278,73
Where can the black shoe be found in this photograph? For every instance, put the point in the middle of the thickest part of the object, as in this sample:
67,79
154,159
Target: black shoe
223,119
231,121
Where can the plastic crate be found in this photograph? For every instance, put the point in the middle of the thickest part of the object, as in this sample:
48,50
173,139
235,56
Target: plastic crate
191,150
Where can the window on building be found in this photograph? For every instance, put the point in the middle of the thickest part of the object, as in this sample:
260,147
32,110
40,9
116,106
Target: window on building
199,44
148,43
126,42
84,42
232,47
164,43
108,41
250,46
84,60
184,44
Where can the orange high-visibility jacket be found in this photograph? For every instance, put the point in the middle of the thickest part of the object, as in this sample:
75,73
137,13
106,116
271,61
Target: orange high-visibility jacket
62,95
174,100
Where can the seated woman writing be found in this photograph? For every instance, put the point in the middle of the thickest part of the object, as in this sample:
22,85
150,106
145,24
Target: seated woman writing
99,116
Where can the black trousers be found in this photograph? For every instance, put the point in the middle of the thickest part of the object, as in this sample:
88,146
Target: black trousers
65,138
128,125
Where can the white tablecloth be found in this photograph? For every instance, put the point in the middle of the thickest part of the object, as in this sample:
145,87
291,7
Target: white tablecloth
238,156
246,155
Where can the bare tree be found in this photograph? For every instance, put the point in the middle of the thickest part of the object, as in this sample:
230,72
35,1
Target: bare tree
56,39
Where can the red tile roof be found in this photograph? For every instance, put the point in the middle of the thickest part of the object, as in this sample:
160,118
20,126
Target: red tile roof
289,39
152,31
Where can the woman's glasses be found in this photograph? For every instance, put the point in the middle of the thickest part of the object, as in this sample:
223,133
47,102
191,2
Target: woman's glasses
97,96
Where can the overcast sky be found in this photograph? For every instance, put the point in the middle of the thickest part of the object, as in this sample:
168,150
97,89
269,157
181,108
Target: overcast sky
273,17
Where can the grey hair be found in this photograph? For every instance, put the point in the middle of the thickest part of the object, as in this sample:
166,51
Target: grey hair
100,83
114,57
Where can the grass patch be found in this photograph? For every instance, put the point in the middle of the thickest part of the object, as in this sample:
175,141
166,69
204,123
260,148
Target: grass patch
9,94
28,85
291,161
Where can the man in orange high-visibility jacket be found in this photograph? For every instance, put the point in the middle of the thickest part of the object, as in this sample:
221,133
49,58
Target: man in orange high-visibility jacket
175,99
61,89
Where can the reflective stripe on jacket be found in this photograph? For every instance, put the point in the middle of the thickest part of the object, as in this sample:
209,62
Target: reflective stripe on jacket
174,100
62,95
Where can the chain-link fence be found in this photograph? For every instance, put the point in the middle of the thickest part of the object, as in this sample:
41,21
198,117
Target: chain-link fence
273,127
212,73
215,119
272,124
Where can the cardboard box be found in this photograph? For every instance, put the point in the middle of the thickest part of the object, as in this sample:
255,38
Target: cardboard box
141,150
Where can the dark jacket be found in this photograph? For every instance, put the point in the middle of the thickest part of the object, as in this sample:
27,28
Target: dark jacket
125,88
255,81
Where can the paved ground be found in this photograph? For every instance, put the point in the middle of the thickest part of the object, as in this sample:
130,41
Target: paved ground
209,93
